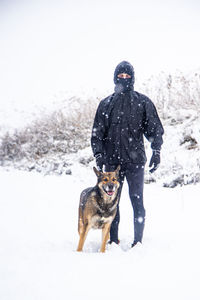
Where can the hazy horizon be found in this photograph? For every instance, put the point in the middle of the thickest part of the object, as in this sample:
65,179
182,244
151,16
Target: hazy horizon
48,47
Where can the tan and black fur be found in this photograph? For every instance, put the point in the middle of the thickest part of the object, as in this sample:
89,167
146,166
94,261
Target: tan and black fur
98,206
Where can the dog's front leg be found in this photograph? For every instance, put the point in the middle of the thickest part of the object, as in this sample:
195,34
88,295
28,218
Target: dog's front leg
105,236
83,234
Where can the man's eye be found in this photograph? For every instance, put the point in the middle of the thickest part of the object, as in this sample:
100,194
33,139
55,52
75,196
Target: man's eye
123,75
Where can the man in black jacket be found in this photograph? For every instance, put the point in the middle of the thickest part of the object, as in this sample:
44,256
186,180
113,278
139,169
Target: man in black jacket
121,121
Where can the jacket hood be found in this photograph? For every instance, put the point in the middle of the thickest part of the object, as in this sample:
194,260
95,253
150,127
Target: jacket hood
124,67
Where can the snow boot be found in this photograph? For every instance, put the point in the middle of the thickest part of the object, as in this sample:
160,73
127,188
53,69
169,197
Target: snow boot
116,242
135,243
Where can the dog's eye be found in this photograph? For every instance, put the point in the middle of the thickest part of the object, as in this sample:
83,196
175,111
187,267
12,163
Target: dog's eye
105,179
114,179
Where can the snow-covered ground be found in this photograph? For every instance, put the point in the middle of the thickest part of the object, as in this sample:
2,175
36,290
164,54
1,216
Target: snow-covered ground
38,240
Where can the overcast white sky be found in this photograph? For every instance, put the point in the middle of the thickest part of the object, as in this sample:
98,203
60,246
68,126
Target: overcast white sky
49,47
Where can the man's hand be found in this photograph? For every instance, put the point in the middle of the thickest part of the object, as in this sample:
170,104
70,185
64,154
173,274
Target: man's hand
155,161
99,161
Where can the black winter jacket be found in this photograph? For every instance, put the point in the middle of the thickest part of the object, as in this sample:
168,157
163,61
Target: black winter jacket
121,121
120,124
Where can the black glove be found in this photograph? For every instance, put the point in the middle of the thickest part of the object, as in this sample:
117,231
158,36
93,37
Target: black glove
155,160
99,161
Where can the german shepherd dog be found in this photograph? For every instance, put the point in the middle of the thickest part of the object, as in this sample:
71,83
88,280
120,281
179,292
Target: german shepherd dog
98,206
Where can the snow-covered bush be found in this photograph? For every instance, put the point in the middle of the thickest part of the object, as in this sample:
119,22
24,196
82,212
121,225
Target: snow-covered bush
57,133
177,98
171,93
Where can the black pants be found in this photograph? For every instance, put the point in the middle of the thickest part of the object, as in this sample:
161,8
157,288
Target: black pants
134,173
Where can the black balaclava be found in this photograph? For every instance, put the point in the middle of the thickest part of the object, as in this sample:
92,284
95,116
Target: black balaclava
121,84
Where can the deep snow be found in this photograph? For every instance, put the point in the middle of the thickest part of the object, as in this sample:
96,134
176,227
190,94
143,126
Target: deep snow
38,229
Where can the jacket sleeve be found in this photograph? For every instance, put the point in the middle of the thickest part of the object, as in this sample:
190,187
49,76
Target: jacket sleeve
98,131
153,129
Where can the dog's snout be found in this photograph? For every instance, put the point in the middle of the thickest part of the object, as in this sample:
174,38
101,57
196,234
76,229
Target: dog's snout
110,186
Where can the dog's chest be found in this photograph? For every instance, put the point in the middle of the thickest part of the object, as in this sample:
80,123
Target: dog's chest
98,222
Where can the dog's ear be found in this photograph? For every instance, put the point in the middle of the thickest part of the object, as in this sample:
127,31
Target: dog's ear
98,173
117,171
